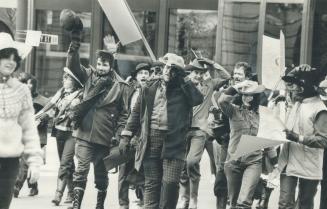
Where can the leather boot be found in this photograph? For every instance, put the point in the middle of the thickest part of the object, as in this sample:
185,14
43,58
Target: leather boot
221,201
70,193
34,189
61,185
78,197
169,195
184,198
100,199
265,198
194,188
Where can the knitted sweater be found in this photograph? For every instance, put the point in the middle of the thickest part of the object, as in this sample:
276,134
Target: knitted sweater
18,132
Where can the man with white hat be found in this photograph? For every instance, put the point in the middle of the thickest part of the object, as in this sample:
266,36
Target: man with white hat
197,135
162,113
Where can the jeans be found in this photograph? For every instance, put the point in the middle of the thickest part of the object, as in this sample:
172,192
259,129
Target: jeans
86,153
123,184
242,179
220,187
66,151
8,174
307,192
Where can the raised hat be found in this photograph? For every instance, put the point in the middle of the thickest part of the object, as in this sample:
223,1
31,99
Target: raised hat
252,88
195,65
172,59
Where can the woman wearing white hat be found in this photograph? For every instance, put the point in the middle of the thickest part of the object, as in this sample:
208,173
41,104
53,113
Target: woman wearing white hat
242,174
18,132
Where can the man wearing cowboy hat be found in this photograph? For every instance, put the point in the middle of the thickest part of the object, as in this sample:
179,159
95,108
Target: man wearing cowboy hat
99,117
162,112
301,160
138,78
197,135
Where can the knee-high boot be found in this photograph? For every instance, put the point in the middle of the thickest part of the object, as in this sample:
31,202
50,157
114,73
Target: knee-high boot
102,194
70,193
61,185
78,197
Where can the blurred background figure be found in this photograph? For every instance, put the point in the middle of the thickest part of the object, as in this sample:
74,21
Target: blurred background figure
39,102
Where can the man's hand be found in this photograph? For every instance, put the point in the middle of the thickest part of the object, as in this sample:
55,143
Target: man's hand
124,145
291,135
33,174
74,46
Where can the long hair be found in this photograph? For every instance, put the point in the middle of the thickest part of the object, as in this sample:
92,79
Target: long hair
254,104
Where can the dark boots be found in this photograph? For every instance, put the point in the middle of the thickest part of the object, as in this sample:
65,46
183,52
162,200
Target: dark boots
61,185
78,197
221,201
169,195
264,200
33,189
100,199
70,193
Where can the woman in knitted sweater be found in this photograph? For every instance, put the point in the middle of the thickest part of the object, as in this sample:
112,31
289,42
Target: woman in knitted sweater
18,132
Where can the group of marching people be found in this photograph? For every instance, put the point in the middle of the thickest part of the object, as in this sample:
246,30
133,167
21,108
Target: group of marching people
168,114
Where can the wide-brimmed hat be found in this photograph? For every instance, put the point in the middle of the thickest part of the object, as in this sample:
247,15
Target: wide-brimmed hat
252,88
6,42
139,67
71,74
302,78
172,59
196,65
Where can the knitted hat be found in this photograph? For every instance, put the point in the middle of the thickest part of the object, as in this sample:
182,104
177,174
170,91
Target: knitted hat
172,59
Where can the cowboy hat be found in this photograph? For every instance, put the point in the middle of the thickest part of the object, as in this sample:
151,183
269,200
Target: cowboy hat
252,87
172,59
303,75
196,65
7,42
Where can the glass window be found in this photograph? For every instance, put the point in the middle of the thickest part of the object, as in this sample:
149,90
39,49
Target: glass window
239,34
288,18
130,55
319,41
50,59
192,30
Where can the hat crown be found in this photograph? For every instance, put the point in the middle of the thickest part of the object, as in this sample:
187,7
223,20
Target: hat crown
252,87
173,59
197,65
5,38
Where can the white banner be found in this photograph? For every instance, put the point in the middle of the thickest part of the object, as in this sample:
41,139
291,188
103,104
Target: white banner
121,19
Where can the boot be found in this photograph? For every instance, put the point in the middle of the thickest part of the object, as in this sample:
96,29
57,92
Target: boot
221,201
100,199
184,196
61,184
265,198
194,188
169,195
70,188
34,190
78,197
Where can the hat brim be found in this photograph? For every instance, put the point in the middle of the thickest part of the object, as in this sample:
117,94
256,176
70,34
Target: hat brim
192,67
22,48
71,74
258,90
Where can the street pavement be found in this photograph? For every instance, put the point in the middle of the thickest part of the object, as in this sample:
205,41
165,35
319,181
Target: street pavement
47,187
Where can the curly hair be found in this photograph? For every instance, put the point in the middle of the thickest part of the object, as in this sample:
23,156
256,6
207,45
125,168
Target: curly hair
6,54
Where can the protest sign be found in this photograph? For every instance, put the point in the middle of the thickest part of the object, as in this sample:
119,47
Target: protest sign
116,10
33,37
270,134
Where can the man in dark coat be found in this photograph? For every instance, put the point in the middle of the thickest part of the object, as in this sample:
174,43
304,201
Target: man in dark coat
99,117
163,114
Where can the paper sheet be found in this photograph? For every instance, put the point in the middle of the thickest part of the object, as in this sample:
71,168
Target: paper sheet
270,134
33,37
